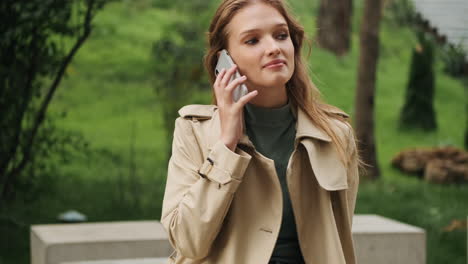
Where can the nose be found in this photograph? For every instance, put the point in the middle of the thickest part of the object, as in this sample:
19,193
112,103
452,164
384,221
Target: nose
272,48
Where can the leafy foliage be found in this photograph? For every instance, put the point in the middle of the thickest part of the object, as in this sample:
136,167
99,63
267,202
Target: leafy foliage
32,63
178,63
402,12
454,58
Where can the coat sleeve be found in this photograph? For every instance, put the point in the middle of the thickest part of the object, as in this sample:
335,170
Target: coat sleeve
198,191
353,174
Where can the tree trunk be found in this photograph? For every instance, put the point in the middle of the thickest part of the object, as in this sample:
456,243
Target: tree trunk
365,92
334,25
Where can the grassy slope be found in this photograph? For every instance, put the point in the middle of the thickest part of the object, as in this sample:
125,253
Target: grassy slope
108,96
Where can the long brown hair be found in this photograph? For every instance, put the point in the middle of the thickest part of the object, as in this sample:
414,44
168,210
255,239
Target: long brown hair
301,91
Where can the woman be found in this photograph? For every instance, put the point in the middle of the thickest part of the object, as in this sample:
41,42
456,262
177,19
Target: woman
273,177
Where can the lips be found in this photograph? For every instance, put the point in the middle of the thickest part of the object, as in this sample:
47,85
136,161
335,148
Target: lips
274,62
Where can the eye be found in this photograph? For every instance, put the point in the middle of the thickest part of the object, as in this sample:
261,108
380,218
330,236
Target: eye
251,41
283,36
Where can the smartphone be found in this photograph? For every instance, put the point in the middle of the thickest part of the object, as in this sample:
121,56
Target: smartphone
225,62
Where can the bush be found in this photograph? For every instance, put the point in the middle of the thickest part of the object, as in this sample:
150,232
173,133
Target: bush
178,62
32,63
454,58
402,12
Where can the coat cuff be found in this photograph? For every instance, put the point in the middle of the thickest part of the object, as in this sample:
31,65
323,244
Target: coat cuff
225,167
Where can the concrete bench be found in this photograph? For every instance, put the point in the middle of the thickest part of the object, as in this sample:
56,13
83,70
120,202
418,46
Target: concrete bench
382,240
377,240
123,261
55,244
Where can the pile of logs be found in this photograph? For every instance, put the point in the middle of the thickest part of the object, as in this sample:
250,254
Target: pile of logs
437,165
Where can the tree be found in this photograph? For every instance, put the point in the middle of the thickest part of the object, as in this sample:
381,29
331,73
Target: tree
178,77
33,62
418,110
334,25
181,50
365,92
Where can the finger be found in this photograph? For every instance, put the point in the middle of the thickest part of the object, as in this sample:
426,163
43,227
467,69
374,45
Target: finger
236,82
219,77
228,75
216,84
246,98
233,85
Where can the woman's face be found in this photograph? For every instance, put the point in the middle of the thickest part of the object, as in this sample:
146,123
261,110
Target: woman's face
260,45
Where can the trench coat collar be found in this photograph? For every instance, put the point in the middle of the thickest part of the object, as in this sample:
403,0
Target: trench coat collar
305,128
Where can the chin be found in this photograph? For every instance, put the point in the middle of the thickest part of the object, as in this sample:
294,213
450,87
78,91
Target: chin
279,80
271,81
269,85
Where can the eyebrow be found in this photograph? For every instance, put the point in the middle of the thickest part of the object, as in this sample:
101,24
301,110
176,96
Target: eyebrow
256,29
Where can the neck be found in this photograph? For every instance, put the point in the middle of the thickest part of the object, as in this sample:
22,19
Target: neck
269,97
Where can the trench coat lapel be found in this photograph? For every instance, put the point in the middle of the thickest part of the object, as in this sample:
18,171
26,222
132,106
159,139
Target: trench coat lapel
330,175
324,159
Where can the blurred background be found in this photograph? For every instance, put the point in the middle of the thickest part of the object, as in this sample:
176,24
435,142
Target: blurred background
90,90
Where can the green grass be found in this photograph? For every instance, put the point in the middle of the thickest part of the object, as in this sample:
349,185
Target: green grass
109,98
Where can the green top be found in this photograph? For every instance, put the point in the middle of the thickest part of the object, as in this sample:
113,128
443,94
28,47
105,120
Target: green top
272,131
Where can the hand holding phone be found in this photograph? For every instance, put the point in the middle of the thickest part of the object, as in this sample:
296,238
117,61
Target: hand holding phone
231,97
225,62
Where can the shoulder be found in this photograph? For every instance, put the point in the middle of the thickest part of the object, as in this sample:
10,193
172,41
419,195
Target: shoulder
335,112
339,119
197,126
340,122
184,130
195,113
198,112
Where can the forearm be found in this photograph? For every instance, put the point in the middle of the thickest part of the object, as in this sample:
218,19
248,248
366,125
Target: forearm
196,203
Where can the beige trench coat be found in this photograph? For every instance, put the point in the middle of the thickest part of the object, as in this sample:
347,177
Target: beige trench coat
225,207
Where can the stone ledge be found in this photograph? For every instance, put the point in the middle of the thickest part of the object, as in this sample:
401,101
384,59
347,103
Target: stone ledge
376,224
100,232
377,240
54,244
123,261
385,241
